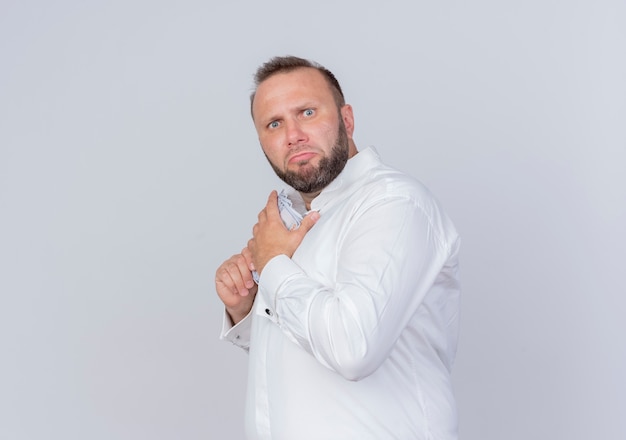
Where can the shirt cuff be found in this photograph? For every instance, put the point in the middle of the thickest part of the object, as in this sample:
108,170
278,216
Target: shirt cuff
238,334
276,272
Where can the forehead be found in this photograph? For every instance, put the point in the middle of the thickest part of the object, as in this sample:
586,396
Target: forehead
282,88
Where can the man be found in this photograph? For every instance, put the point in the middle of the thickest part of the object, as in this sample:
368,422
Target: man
352,329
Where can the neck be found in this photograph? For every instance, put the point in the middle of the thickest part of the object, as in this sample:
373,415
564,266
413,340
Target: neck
308,198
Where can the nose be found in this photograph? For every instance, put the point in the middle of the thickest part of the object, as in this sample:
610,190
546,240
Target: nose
295,133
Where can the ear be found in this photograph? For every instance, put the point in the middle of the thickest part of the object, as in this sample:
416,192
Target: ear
348,119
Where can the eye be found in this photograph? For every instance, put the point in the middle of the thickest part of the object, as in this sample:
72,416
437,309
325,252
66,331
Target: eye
308,112
273,124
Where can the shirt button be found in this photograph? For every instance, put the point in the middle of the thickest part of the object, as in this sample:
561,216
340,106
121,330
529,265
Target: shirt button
268,312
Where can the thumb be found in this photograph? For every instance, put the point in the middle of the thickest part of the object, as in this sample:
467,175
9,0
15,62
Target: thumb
308,222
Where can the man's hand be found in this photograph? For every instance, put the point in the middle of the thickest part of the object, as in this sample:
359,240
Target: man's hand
235,286
270,237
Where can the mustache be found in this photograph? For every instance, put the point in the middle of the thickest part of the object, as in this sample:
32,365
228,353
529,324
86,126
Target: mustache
301,148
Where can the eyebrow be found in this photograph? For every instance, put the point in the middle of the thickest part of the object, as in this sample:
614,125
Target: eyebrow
308,104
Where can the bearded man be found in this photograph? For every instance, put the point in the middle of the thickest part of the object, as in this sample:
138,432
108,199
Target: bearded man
352,328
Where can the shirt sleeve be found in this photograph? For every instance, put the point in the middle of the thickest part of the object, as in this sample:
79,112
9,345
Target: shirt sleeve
238,334
388,259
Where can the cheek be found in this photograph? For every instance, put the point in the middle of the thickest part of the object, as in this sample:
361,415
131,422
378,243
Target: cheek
329,133
271,150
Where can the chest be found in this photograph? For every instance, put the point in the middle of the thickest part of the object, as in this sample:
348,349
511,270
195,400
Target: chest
320,252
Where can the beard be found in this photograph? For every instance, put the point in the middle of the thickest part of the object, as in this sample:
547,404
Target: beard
310,179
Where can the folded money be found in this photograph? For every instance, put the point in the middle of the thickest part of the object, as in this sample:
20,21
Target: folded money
291,217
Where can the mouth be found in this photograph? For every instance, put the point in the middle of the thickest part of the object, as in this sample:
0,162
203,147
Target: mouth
303,156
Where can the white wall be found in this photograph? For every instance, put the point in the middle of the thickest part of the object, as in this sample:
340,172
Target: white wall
129,169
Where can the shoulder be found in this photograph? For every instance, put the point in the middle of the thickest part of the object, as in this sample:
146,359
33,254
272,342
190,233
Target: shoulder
386,182
385,189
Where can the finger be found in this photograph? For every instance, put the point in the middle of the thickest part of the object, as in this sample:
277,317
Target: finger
247,254
224,283
273,196
245,273
236,270
308,222
252,248
271,209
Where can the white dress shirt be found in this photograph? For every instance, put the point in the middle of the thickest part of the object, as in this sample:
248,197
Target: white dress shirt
354,336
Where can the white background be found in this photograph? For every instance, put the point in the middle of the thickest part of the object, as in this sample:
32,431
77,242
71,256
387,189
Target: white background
129,169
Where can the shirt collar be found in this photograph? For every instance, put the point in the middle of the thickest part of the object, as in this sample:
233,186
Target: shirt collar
355,168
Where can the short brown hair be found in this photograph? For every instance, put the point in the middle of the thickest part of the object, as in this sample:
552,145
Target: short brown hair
290,63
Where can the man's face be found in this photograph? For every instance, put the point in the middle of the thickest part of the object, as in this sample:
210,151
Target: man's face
303,134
